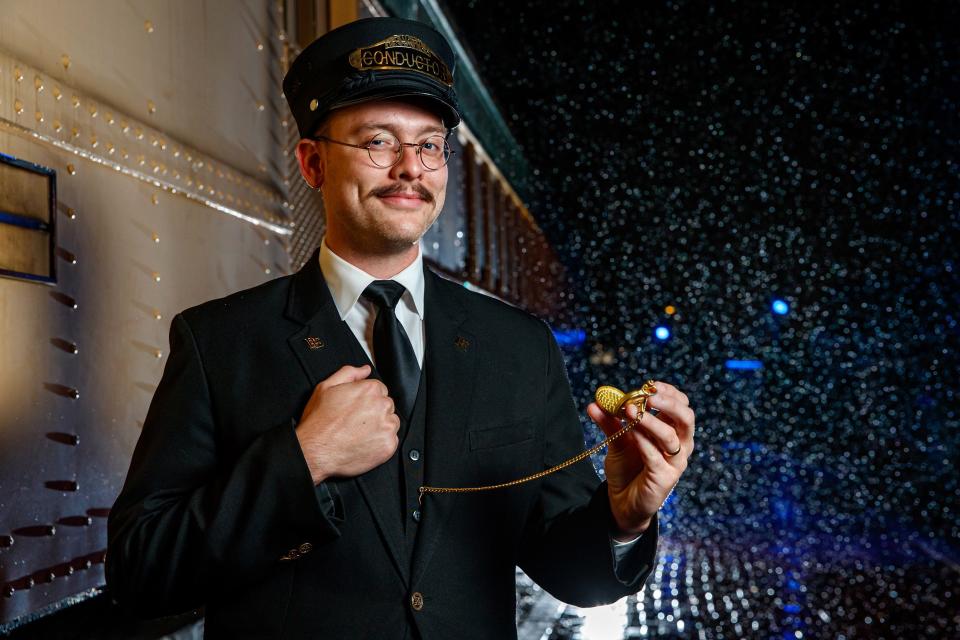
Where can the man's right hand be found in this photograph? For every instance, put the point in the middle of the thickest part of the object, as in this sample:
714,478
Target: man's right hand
348,426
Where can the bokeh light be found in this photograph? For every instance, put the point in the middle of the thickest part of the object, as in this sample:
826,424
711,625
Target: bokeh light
708,155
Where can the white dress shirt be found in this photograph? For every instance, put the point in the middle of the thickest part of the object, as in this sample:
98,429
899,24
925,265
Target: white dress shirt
347,284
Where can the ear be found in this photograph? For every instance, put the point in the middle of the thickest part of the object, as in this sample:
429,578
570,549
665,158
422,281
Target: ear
310,159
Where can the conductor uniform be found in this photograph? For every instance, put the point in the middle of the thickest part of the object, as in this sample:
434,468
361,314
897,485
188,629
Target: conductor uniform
219,508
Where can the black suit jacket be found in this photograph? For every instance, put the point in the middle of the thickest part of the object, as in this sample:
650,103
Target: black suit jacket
219,509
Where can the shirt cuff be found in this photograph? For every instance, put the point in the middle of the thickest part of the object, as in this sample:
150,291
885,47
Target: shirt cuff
621,549
634,558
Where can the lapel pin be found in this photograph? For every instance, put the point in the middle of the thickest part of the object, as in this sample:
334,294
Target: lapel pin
462,343
314,343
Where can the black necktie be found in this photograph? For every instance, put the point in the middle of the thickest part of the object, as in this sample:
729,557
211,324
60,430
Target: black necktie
396,361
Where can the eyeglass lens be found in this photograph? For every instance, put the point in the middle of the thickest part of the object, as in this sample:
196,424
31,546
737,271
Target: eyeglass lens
385,151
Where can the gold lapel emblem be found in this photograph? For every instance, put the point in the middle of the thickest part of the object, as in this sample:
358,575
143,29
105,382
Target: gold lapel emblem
462,343
314,343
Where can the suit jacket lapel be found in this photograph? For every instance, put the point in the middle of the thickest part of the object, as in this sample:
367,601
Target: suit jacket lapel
324,344
450,362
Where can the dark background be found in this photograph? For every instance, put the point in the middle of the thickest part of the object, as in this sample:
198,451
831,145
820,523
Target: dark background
715,156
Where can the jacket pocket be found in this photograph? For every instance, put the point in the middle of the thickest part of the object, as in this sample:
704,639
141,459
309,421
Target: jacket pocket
501,435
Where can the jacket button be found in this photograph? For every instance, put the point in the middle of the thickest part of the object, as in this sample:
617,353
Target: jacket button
416,601
416,515
414,454
306,547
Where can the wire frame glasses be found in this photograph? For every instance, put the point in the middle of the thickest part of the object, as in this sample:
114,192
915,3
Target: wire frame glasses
386,150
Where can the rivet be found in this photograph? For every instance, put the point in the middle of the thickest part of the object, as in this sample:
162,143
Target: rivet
57,126
65,61
158,353
38,84
18,106
71,169
156,238
156,277
148,26
17,74
157,315
259,46
39,117
93,110
56,93
155,199
151,107
75,101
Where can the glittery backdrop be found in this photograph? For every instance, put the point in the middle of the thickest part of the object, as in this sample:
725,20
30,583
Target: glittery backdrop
716,157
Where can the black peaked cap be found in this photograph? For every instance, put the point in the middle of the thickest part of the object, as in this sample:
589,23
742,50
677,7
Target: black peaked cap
372,59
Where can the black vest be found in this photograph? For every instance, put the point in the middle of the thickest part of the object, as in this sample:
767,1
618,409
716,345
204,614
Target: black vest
406,465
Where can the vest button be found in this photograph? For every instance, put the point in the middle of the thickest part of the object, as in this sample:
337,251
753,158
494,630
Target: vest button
416,601
414,454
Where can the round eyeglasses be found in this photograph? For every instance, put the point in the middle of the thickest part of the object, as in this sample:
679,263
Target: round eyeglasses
385,150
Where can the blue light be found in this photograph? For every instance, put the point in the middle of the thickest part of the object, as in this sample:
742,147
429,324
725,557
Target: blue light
570,337
744,364
780,307
662,333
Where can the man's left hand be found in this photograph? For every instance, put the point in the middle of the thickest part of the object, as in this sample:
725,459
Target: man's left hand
640,471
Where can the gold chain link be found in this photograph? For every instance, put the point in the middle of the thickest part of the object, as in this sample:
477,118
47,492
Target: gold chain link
536,476
611,400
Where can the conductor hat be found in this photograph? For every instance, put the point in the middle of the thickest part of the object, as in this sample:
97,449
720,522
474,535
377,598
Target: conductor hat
372,59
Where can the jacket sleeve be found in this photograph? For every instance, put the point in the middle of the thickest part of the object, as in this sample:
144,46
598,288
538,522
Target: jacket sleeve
567,547
186,519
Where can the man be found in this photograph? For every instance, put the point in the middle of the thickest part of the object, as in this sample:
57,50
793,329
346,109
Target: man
277,478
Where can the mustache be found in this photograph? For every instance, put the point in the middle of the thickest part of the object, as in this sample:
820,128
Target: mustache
419,189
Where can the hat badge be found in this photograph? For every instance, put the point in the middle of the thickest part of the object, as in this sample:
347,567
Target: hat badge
401,53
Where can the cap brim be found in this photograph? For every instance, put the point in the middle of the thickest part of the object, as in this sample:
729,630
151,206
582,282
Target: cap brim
447,113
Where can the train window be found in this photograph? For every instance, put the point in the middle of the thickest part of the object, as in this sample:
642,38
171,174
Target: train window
28,201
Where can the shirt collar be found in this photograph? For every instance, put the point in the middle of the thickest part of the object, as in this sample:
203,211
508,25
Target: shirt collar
347,282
